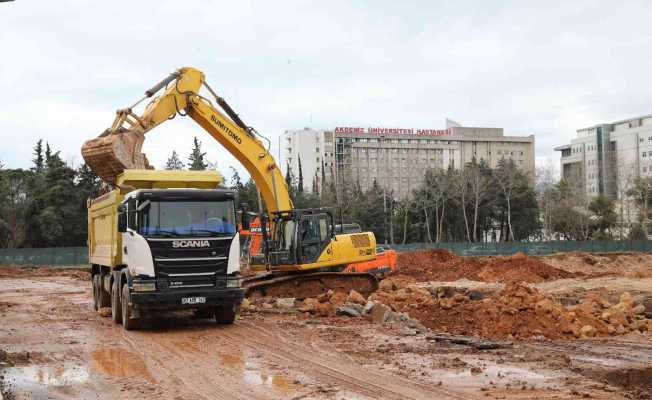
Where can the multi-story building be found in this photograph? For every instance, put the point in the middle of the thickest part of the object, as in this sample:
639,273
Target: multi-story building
605,159
397,158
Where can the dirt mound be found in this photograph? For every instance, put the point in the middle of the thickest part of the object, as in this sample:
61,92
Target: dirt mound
443,265
20,271
517,311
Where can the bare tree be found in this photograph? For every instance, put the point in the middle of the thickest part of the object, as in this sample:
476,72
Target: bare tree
460,187
508,176
479,184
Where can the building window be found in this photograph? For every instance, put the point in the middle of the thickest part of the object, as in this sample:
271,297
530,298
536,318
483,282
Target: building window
641,140
644,154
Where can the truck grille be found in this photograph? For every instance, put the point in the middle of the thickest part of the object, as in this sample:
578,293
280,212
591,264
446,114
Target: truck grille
191,267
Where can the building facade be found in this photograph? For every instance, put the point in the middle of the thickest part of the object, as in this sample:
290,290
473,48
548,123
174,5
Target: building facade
398,158
605,159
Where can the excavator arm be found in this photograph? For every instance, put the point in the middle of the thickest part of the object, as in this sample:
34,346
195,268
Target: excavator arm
119,147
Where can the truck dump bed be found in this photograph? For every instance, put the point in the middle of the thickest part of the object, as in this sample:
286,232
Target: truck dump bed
104,241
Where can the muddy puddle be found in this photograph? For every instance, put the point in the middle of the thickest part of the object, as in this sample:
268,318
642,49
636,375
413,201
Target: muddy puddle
120,363
253,373
37,381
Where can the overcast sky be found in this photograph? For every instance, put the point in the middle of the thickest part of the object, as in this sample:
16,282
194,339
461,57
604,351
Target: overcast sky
544,68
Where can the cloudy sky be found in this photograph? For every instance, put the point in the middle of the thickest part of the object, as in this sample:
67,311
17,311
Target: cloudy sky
545,68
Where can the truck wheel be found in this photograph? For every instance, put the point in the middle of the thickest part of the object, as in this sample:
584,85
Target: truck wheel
103,297
225,314
96,292
127,322
116,309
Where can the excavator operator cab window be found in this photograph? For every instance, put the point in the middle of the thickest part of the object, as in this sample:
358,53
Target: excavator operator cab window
314,235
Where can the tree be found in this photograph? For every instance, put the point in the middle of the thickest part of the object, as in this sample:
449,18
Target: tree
315,185
39,162
508,177
196,159
603,208
479,181
641,192
174,162
300,184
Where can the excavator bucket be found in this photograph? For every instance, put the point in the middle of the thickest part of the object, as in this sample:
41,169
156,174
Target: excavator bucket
111,153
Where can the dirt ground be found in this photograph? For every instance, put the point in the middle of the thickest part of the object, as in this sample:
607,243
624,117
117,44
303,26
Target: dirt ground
53,345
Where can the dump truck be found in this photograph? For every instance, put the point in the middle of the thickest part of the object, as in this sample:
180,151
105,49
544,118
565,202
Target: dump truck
165,240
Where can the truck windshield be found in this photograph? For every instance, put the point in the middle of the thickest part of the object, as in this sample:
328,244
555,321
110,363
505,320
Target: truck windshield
186,218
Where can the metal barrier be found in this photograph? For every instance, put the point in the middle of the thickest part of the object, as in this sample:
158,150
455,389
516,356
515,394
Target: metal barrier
45,256
531,248
79,255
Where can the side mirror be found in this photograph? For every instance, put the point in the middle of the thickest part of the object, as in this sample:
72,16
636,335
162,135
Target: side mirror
122,208
122,222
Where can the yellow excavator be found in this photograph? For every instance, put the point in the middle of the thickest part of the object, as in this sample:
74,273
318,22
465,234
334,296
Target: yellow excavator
303,255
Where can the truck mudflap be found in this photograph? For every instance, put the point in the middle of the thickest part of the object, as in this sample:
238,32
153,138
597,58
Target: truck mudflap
184,299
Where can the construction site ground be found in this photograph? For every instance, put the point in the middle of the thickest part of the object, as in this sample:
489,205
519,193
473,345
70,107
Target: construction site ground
433,331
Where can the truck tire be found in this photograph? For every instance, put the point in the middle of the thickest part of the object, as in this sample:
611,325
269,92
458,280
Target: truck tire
103,297
96,292
225,314
128,323
116,307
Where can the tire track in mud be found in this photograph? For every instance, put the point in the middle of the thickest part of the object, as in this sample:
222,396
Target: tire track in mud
333,369
190,364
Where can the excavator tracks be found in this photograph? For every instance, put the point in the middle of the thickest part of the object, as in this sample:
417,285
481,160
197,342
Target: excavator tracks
309,285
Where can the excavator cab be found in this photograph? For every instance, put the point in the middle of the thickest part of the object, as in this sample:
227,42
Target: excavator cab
300,236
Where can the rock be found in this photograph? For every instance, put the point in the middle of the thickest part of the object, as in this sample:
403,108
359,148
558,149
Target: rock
627,299
387,285
244,305
476,295
379,313
544,306
324,297
367,308
309,305
408,332
285,302
459,297
267,306
620,330
587,331
355,297
349,310
105,312
639,309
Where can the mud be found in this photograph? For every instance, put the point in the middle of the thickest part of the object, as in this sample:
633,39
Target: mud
55,346
442,265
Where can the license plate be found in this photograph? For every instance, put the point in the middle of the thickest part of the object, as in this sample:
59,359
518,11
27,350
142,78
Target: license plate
193,300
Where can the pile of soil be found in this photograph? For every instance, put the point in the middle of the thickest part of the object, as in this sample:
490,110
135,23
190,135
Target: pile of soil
518,311
20,271
443,265
324,305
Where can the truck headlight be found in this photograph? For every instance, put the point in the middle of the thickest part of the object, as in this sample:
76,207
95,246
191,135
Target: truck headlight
144,286
233,283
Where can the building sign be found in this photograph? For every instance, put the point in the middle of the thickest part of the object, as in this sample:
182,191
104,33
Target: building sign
393,131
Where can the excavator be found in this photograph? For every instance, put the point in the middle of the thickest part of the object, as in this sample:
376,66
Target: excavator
303,255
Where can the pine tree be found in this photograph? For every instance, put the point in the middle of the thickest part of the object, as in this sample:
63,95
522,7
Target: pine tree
174,162
323,175
300,186
315,185
38,153
48,153
196,158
